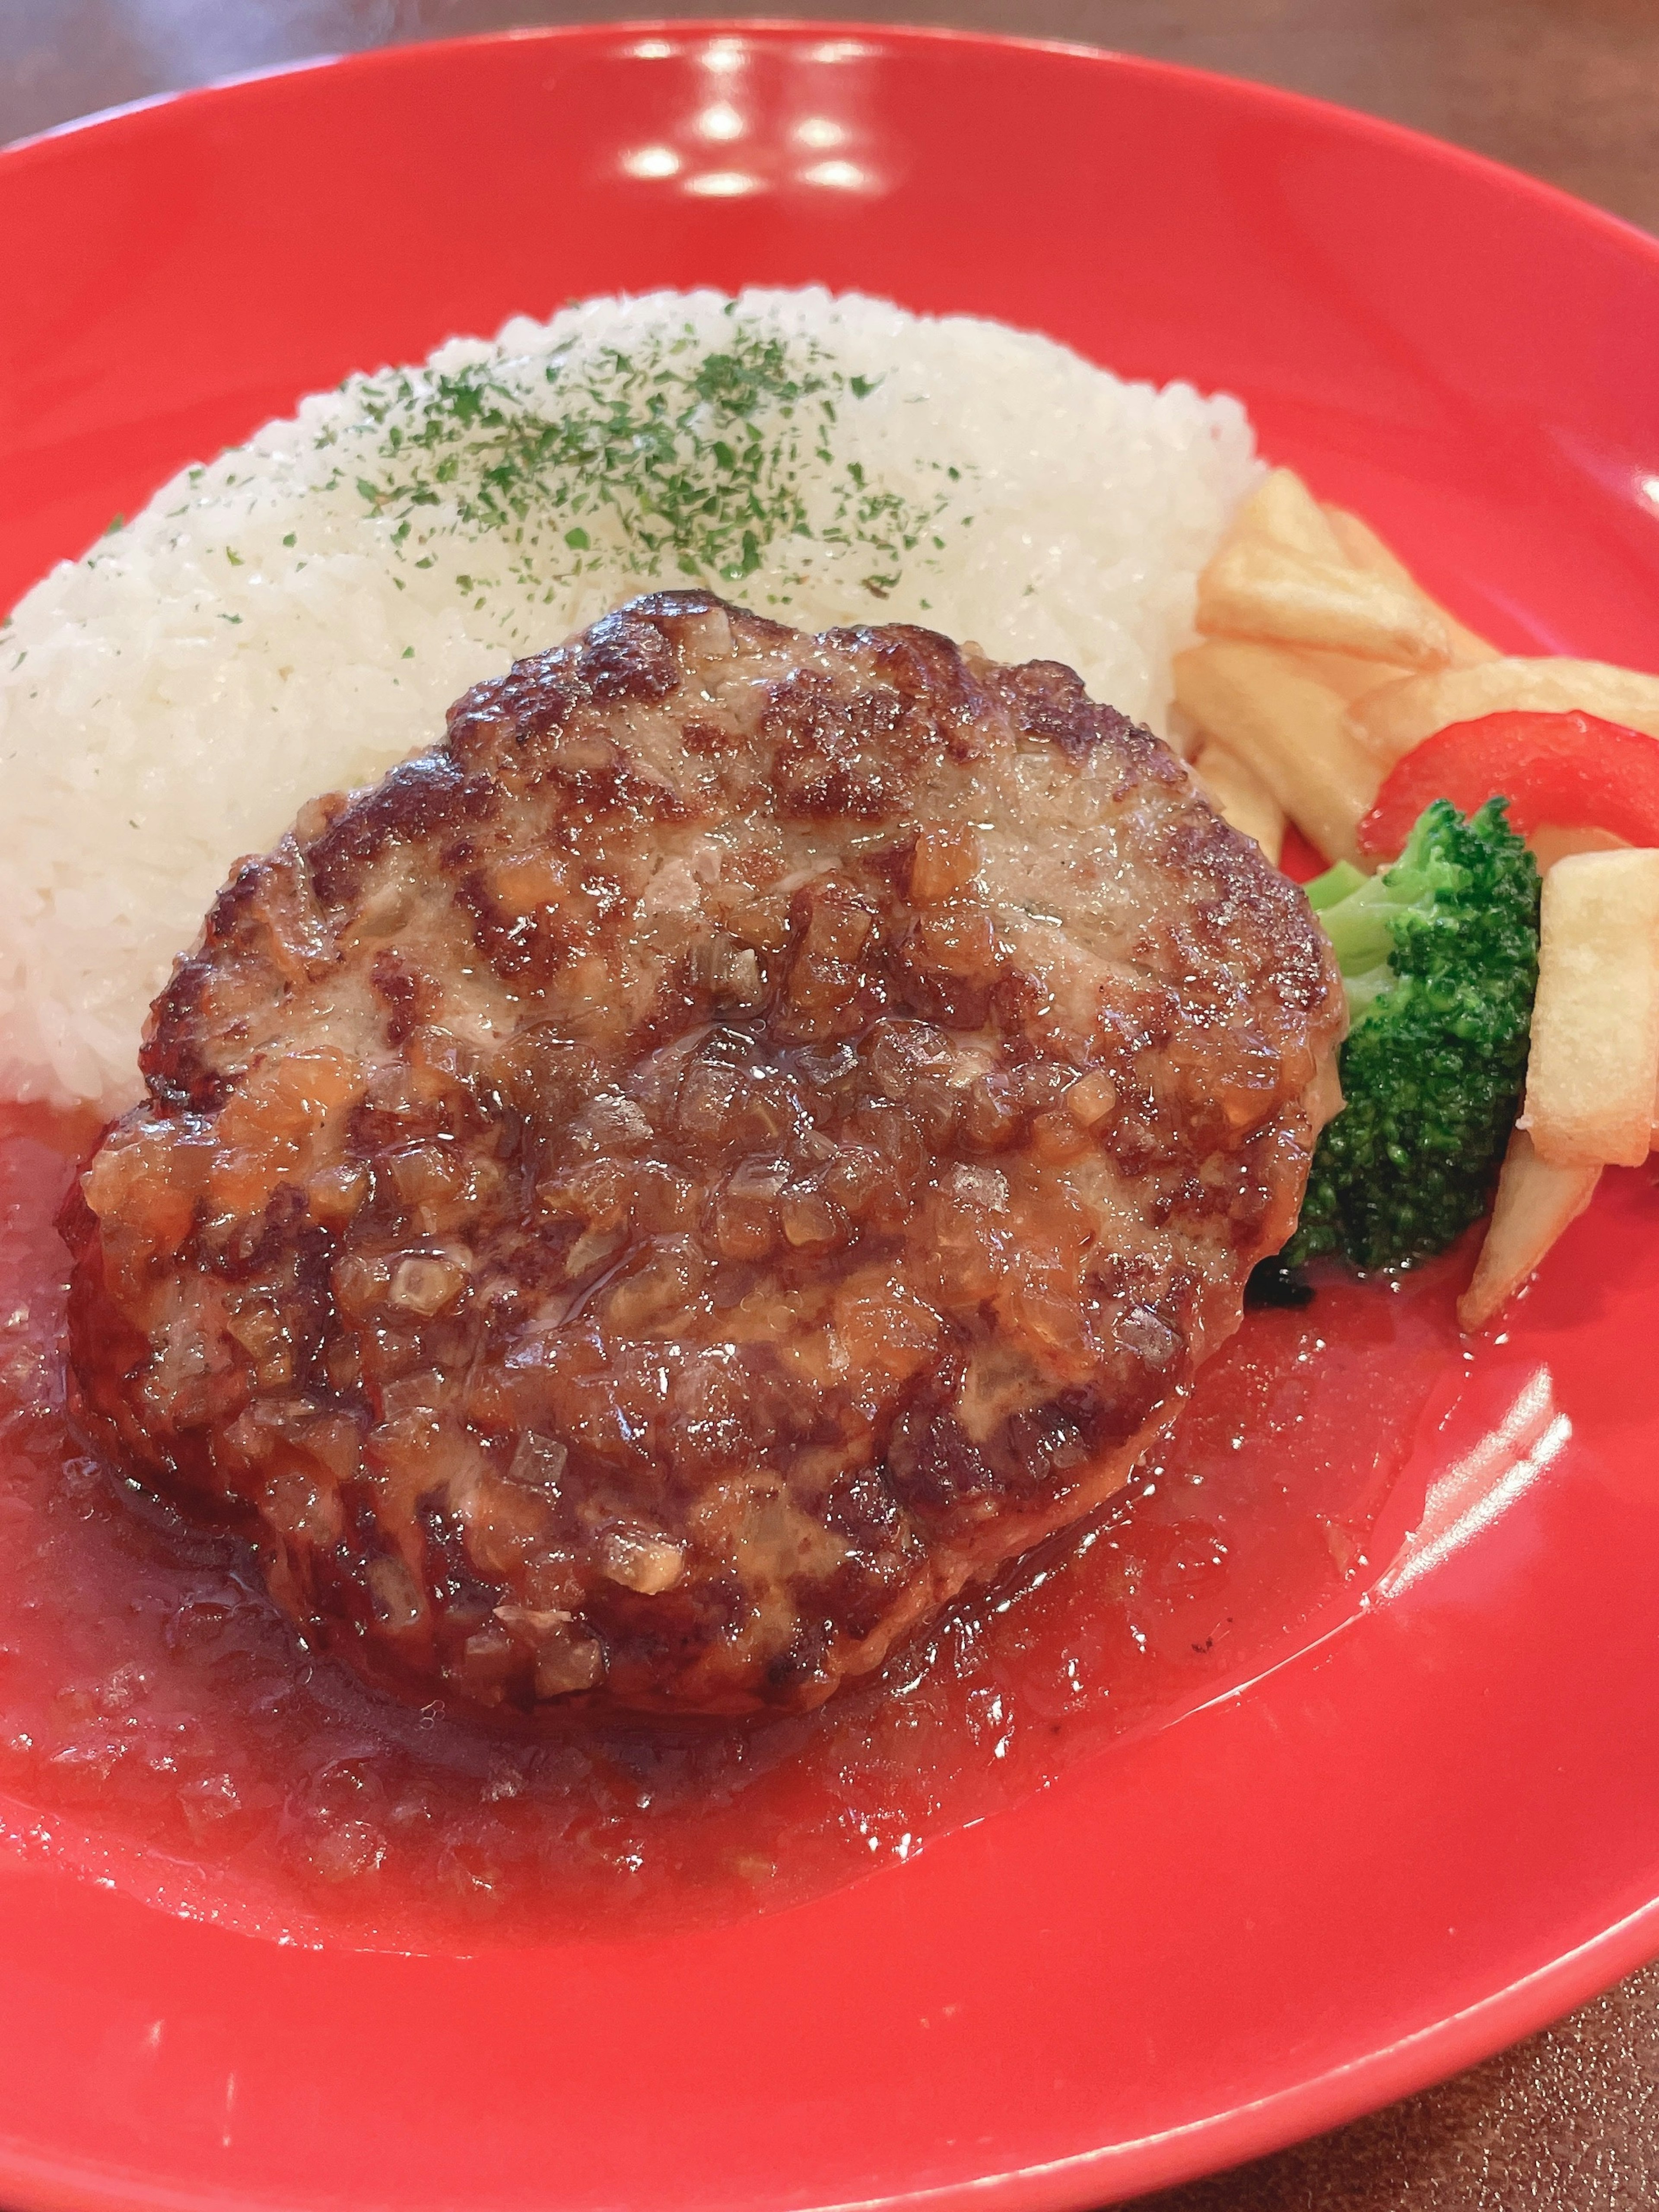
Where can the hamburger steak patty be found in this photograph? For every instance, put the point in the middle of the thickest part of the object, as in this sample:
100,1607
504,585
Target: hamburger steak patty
747,1135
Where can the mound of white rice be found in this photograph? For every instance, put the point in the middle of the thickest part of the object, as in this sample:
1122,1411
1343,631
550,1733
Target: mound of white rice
297,615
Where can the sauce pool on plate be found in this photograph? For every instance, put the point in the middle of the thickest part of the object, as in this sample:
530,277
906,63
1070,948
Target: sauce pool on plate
163,1727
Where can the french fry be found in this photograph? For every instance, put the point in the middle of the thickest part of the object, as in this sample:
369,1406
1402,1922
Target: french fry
1257,589
1534,1203
1391,719
1551,841
1285,511
1289,728
1240,797
1594,1067
1347,673
1362,546
1181,734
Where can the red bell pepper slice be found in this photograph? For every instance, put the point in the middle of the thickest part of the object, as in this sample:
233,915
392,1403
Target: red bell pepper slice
1571,769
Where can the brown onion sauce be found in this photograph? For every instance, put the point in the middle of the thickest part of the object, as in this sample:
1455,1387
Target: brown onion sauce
163,1728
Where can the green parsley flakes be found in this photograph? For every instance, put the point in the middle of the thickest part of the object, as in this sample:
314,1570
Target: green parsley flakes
673,455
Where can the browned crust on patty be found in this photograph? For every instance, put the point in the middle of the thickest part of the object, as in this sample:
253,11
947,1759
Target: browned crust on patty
747,1135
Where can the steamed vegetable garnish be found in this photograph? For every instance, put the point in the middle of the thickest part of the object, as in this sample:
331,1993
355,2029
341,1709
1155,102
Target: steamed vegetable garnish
1439,956
1575,770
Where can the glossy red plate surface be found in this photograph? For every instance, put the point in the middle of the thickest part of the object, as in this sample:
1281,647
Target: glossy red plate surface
1405,1842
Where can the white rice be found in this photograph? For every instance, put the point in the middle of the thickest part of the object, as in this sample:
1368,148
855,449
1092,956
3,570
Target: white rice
297,615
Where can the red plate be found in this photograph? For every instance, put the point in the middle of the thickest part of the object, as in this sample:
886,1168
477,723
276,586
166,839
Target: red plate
1420,1818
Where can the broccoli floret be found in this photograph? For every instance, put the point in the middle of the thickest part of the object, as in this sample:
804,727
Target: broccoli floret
1439,956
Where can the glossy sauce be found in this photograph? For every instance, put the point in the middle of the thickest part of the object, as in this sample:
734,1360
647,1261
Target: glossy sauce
162,1727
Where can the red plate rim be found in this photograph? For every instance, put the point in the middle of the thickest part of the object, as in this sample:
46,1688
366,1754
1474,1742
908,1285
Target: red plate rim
787,29
1323,2100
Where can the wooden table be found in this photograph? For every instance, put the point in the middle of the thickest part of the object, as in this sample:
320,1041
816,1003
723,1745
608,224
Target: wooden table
1569,2121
